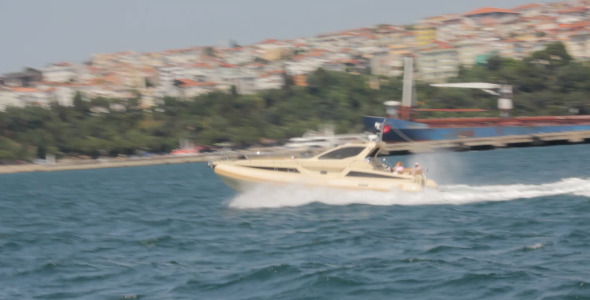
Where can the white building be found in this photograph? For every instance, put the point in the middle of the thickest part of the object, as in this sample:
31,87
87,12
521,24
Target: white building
305,65
22,97
63,95
7,98
245,84
436,64
578,45
270,81
61,72
390,65
468,50
187,88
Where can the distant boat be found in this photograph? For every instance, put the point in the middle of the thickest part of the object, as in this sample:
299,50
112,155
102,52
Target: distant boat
187,148
185,151
321,140
400,125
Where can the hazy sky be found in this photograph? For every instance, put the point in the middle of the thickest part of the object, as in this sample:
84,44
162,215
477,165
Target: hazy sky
34,33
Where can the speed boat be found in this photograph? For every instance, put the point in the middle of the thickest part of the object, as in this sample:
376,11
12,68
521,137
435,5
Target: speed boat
351,166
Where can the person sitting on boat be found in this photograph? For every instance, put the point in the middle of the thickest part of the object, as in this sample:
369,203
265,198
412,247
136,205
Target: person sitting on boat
417,169
398,168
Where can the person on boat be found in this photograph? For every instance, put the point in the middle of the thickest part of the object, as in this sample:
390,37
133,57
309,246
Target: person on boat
398,168
417,169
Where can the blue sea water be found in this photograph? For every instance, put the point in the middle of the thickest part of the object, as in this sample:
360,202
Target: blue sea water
505,224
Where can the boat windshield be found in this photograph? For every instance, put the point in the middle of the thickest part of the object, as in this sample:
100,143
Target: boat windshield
342,153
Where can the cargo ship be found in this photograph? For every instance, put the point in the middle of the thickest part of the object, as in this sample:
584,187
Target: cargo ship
400,124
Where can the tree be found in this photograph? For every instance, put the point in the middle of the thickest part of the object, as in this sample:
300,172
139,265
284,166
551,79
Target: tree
80,106
494,63
554,54
234,91
210,51
288,82
234,44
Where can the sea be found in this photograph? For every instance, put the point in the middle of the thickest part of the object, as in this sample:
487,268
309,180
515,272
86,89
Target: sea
504,224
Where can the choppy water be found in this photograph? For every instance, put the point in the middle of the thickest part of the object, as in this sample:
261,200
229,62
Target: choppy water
506,224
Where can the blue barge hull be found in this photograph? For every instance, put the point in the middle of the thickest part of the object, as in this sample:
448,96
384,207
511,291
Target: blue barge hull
408,131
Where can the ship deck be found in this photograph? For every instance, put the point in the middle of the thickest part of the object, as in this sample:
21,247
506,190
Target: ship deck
464,144
515,121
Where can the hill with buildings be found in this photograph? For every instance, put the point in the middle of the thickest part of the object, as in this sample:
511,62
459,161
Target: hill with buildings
128,102
547,82
441,45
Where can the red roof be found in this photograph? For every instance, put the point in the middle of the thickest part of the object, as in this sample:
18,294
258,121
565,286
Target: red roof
576,25
490,10
573,10
54,83
443,45
25,89
189,82
540,18
527,6
298,57
269,41
202,65
63,64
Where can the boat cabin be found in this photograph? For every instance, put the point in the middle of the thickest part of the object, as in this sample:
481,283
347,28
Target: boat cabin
359,151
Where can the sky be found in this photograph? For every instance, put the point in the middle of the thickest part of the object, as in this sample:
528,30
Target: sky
34,33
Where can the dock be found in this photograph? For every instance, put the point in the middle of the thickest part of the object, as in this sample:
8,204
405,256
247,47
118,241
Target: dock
466,144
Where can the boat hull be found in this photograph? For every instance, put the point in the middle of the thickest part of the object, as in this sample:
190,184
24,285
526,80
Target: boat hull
243,179
405,131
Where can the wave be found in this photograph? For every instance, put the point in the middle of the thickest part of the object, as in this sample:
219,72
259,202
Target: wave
291,196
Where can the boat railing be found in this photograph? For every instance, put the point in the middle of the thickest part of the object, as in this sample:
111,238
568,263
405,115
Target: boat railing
379,164
420,179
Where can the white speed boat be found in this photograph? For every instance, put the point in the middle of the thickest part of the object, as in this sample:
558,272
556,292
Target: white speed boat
351,166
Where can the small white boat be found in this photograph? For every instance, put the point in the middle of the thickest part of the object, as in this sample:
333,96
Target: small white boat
351,166
311,141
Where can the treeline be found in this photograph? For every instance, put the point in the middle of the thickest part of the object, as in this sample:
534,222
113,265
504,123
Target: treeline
548,82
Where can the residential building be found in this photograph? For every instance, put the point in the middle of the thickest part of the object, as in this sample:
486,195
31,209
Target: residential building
391,65
491,16
189,88
437,63
60,72
578,45
469,50
27,78
425,34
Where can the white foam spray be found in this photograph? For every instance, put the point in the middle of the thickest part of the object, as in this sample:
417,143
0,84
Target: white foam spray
535,246
294,195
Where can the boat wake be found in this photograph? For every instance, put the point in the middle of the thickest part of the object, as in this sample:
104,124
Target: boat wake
290,196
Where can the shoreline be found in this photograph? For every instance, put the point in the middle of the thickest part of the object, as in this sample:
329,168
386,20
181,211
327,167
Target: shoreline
101,164
560,138
141,161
